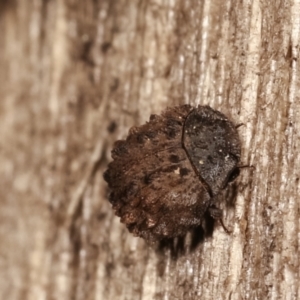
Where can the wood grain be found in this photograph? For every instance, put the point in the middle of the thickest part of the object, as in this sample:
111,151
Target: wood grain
69,70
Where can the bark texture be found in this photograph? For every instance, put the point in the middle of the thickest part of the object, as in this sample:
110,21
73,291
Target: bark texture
75,76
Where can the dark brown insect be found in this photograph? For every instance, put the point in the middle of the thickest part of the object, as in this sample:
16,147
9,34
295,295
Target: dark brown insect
168,172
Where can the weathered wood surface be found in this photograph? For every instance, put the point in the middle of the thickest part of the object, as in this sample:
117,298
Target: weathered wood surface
70,70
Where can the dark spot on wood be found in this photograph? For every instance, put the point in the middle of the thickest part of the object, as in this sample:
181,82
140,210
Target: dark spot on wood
114,84
105,47
112,127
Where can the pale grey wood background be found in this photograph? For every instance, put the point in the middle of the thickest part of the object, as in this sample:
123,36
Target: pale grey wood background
68,69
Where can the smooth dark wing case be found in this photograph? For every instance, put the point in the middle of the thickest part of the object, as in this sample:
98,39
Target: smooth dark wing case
213,146
154,188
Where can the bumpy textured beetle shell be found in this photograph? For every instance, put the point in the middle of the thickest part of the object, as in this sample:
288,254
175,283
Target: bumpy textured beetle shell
168,172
